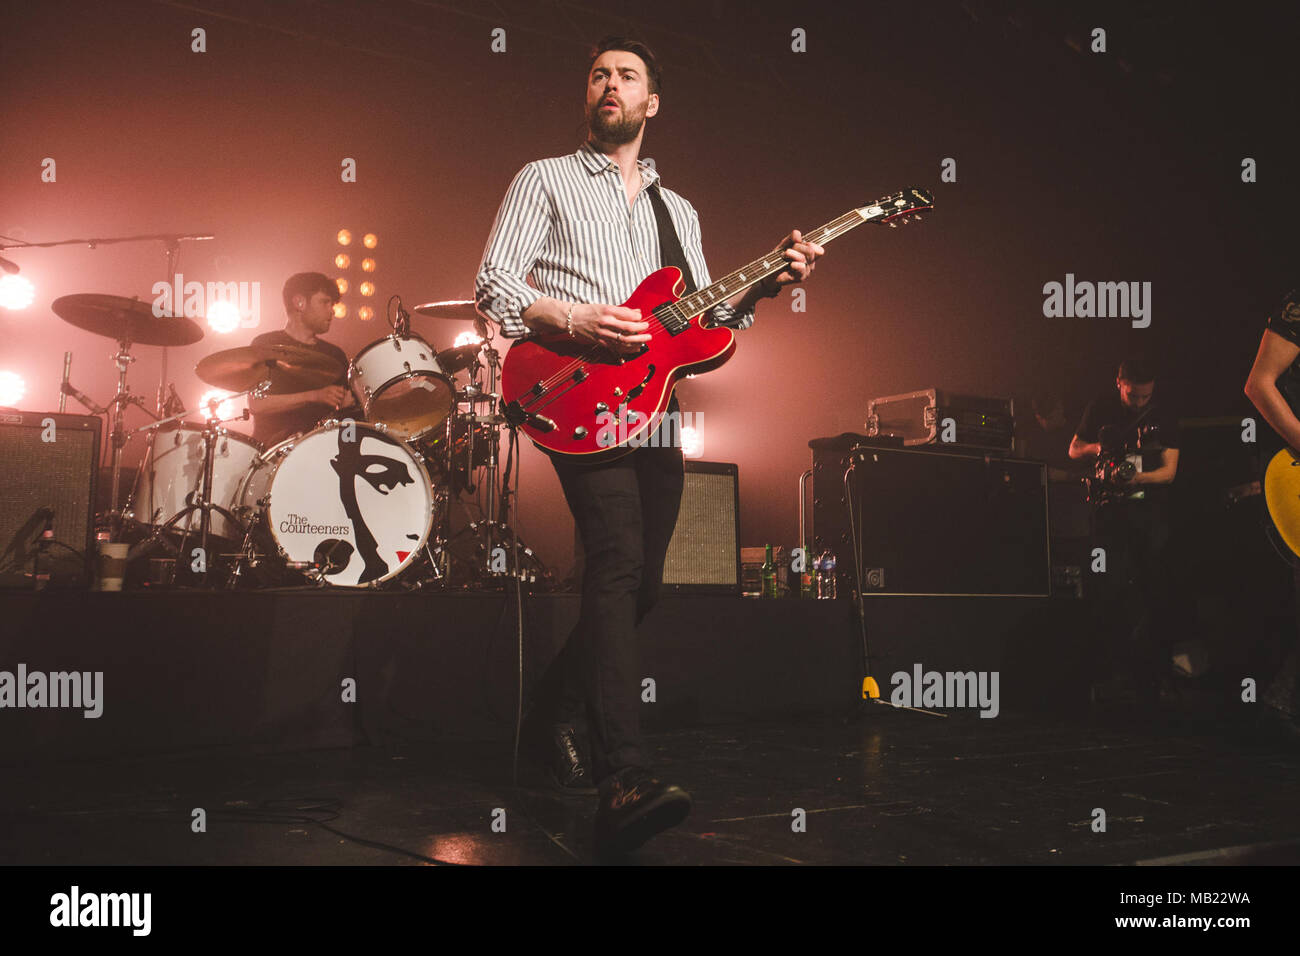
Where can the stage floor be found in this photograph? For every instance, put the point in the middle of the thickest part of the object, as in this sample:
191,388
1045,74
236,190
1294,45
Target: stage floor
884,787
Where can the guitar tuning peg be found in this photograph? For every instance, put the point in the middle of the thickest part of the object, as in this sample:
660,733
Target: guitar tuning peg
892,224
918,217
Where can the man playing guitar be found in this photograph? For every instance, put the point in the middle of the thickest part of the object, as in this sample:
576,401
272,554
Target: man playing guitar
586,229
1273,386
1131,521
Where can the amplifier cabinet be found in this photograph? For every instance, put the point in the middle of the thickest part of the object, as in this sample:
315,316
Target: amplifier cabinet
931,522
704,553
48,464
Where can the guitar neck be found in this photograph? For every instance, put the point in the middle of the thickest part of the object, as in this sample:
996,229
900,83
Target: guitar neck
774,262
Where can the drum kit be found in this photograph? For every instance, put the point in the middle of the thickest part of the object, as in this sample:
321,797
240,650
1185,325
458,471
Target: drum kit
357,501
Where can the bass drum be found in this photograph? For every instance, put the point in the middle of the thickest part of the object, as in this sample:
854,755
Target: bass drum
345,503
173,472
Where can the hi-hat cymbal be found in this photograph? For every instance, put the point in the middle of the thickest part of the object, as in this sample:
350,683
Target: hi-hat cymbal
126,320
459,310
290,368
461,357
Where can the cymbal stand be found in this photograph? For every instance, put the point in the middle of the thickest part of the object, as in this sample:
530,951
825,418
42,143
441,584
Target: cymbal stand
118,434
497,523
123,359
491,467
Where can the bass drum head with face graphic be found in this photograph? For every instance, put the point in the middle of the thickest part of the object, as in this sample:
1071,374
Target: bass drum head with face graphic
348,499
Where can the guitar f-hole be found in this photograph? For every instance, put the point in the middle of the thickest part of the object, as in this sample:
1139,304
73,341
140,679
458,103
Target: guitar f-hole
636,390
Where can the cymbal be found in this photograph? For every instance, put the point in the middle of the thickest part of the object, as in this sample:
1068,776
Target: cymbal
459,310
290,368
126,320
461,357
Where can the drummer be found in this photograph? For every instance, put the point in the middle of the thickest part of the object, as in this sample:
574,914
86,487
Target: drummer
309,299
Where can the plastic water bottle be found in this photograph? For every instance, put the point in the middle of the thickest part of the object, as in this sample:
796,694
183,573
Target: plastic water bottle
768,573
826,576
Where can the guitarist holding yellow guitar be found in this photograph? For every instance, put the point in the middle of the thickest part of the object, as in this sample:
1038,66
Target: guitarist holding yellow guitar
1274,388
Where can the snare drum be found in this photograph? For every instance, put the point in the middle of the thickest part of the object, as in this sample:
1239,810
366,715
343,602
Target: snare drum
345,498
401,386
172,477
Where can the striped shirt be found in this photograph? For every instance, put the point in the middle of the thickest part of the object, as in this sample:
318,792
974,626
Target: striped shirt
566,222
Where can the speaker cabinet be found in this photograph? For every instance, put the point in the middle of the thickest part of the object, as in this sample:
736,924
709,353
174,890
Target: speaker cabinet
704,554
48,464
930,522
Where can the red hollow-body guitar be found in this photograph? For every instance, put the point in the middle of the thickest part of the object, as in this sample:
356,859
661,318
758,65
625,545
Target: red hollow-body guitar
579,399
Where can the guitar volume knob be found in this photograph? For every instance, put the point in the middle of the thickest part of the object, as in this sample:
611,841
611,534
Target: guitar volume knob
579,432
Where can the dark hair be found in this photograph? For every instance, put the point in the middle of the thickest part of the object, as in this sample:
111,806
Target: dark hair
631,46
1137,369
308,284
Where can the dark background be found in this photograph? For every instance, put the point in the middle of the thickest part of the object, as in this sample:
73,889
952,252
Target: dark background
1122,166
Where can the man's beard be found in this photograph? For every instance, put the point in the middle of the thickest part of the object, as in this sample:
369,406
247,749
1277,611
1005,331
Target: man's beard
615,131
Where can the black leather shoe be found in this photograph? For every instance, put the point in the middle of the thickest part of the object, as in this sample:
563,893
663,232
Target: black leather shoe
565,770
634,806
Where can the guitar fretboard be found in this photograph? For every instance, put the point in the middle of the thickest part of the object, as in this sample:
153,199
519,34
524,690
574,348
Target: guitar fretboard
676,316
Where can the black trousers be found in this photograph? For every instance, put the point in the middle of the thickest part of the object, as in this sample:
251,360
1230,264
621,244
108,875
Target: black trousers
1136,589
625,511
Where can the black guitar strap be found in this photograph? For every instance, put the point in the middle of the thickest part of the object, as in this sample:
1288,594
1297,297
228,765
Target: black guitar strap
670,247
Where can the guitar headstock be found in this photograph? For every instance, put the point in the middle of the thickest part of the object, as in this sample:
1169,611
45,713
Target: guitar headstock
901,207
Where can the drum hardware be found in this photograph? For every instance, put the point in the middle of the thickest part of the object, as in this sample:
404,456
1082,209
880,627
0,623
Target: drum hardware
200,500
129,321
473,441
460,358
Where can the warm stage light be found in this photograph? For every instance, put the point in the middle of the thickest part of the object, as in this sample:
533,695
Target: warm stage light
366,288
16,292
466,338
345,237
367,265
365,313
370,241
223,316
12,388
225,408
692,442
343,285
340,310
343,260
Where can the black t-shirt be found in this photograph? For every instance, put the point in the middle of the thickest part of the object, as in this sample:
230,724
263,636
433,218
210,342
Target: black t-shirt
1284,319
1150,431
272,427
